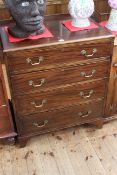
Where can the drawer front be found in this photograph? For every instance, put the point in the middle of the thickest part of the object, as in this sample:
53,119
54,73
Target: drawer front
52,79
54,56
56,99
50,121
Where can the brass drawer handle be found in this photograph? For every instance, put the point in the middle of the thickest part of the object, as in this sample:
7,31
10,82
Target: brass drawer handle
86,96
115,65
40,59
83,74
31,83
85,115
39,106
40,126
4,105
84,53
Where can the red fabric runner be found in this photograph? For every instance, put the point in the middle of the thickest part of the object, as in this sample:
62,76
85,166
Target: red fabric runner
103,24
69,26
46,34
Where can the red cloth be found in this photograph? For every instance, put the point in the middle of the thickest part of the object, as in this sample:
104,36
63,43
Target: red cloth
103,24
69,26
46,34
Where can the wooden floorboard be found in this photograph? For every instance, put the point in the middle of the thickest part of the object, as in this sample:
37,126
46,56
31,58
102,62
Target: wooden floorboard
80,150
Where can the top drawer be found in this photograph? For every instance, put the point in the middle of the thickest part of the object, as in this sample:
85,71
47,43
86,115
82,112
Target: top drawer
54,56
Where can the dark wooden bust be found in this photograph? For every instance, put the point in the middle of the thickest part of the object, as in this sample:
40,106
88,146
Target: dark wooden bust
28,15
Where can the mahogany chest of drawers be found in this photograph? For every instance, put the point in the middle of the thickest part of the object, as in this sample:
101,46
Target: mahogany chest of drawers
57,7
102,10
58,82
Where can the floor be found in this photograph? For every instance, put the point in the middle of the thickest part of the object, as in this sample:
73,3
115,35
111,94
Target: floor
81,150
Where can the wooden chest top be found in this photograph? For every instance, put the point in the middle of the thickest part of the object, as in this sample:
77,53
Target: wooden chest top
61,35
